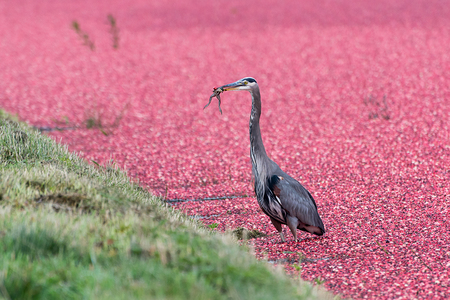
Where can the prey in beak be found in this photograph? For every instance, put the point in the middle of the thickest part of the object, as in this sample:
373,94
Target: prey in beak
216,93
242,84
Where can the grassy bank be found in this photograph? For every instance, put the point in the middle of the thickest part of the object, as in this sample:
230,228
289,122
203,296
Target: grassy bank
71,230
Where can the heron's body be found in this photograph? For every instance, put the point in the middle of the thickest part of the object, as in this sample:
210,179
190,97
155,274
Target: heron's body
280,196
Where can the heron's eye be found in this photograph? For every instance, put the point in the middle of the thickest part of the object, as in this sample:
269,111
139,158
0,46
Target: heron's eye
246,82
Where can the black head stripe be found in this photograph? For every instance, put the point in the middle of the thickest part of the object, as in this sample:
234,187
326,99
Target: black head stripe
249,79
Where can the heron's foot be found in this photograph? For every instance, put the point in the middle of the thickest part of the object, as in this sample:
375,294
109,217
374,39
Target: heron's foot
292,223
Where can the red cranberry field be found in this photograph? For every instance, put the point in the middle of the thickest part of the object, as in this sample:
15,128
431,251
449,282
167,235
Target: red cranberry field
355,105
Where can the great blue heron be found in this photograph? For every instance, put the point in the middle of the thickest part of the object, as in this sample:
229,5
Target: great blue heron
280,196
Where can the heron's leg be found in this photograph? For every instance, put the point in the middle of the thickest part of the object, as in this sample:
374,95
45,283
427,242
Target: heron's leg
278,228
292,223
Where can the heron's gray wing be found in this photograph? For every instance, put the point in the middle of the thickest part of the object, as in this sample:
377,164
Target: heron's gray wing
271,206
296,200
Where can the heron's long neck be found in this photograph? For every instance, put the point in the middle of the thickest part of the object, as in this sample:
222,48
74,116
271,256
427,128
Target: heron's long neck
257,151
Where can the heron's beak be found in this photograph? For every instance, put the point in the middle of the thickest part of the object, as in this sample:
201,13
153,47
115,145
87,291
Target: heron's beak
238,85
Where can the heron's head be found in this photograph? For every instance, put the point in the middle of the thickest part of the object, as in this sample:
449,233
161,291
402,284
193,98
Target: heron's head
244,84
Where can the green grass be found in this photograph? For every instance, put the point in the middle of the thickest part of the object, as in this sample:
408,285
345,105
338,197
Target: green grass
70,230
